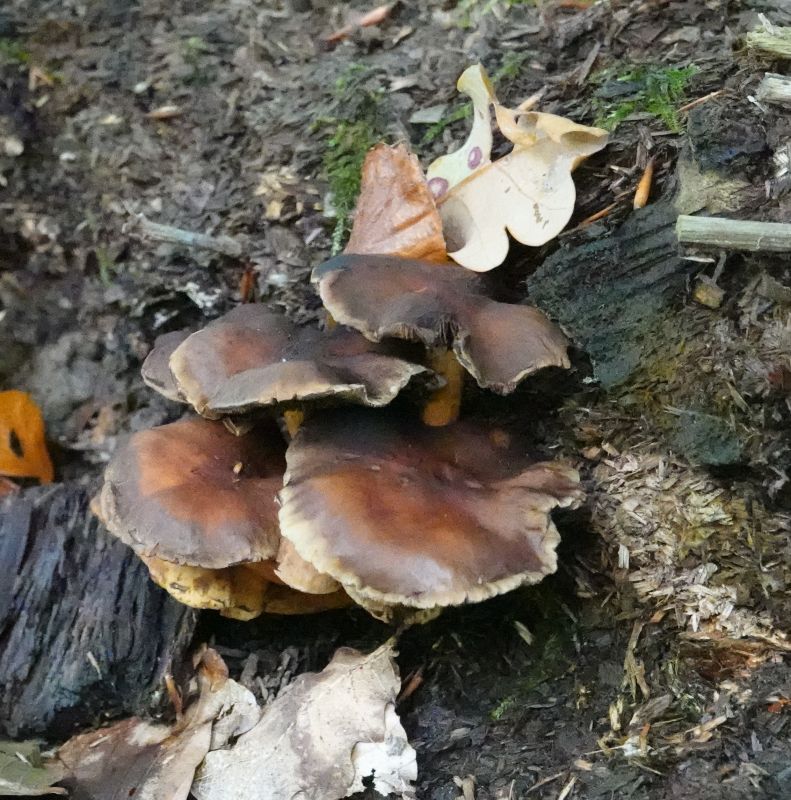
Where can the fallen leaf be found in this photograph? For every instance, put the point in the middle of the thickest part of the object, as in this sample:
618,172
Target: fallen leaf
476,152
395,212
326,733
135,758
23,450
528,193
23,773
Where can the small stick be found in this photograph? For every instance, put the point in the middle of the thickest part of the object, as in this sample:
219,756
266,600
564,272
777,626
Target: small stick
706,97
167,233
644,186
733,234
598,215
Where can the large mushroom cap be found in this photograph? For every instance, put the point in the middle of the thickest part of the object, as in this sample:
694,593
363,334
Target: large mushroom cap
498,343
252,357
191,493
402,514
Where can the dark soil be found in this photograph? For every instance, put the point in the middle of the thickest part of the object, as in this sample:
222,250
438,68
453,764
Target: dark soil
654,664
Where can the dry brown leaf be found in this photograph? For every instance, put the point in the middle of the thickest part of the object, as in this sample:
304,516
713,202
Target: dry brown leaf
23,449
528,193
320,739
134,758
396,213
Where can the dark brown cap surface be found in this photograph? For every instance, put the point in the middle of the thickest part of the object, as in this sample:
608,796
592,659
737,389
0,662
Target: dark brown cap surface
498,343
192,493
403,514
156,368
252,357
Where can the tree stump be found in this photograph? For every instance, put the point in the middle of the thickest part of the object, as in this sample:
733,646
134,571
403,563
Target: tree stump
84,633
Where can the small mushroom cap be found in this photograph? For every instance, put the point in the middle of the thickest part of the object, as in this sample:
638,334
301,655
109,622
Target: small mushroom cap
192,493
499,344
402,514
241,592
156,369
252,357
395,210
238,592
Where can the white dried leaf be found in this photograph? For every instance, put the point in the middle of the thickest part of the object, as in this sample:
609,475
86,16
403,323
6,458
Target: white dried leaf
320,739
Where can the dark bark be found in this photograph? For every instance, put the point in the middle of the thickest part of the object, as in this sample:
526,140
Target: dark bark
84,633
609,292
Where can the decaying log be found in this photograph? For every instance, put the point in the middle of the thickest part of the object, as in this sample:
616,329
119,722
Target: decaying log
83,631
609,291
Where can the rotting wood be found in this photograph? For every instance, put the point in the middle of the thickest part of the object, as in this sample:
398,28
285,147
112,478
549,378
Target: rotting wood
225,245
83,631
608,291
732,234
775,89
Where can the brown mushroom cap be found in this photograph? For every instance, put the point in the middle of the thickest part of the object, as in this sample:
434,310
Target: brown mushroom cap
191,493
156,369
499,344
252,357
402,514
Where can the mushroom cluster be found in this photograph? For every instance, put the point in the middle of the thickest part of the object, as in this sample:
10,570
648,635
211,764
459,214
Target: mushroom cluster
298,487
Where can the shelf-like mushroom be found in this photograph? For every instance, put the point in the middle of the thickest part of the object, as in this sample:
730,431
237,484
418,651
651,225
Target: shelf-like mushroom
198,505
252,358
499,344
401,514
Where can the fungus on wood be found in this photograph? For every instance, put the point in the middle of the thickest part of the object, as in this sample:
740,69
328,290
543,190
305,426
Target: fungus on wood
198,505
403,514
395,511
252,358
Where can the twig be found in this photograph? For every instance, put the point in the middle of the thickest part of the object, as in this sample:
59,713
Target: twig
545,781
732,234
566,790
598,215
167,233
700,100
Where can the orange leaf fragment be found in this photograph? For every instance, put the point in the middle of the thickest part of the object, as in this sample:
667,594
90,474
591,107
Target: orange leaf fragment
23,449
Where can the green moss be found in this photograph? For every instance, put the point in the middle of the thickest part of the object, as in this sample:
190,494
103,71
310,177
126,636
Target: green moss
11,50
551,623
354,123
438,128
343,162
647,89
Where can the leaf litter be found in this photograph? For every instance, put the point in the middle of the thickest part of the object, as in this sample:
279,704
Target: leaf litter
327,735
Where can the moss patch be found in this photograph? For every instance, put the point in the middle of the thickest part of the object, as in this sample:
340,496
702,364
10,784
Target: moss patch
643,89
355,123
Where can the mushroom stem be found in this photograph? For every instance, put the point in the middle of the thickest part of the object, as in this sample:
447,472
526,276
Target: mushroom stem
293,419
443,406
